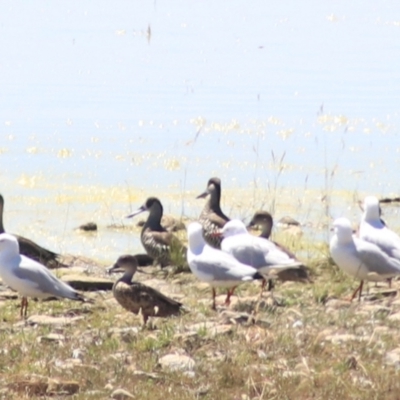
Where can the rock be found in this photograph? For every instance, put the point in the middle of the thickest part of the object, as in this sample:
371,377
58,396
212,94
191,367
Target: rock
210,329
8,295
176,362
128,335
49,320
342,338
394,317
88,227
51,337
143,376
87,283
57,388
121,394
393,357
37,385
234,317
337,304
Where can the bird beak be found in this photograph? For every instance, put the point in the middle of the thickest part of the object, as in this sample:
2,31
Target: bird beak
137,212
250,225
113,268
203,195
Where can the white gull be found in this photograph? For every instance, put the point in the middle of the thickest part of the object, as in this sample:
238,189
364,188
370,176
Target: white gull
260,253
216,267
359,258
28,277
373,230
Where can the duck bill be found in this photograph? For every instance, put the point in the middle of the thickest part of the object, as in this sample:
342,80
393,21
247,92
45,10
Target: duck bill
203,195
251,225
114,268
137,212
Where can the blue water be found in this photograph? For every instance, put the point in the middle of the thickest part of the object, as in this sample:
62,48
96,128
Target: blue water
159,96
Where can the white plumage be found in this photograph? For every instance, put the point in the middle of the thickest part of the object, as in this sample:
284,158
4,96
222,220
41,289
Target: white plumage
215,267
359,258
28,277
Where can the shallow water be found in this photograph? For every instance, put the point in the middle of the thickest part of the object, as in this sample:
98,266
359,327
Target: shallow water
103,104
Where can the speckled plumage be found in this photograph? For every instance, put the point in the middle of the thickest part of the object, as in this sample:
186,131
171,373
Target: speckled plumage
31,249
156,240
139,298
212,218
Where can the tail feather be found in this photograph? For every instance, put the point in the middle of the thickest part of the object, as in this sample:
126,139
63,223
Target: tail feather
257,275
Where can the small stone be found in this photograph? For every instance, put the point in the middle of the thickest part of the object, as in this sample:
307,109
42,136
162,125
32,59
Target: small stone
56,387
121,394
210,329
142,375
336,303
88,227
51,337
341,338
297,324
393,357
49,320
127,335
394,317
176,362
87,283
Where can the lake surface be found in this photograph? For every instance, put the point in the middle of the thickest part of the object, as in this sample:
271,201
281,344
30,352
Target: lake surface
103,104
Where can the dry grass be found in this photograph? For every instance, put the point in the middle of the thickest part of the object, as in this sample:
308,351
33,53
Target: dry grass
305,345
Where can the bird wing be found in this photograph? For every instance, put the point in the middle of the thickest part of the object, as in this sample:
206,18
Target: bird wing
220,266
216,219
383,237
376,260
255,251
150,295
39,277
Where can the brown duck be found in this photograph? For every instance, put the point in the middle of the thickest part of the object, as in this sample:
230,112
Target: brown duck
139,298
212,218
156,240
31,249
264,220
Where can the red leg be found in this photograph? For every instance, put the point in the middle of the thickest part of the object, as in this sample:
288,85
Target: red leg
228,296
213,296
359,291
24,307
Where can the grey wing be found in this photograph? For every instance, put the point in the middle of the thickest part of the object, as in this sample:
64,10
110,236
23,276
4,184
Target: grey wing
242,248
376,260
223,268
43,279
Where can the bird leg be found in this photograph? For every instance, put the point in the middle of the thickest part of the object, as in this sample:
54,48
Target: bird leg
24,307
228,296
359,291
213,296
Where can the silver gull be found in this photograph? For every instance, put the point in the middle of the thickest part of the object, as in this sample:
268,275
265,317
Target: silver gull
359,258
28,277
215,267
